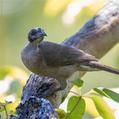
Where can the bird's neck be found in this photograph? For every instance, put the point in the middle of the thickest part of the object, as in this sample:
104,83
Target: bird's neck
36,43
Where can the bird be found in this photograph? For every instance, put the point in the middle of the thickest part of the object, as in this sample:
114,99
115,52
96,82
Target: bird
52,59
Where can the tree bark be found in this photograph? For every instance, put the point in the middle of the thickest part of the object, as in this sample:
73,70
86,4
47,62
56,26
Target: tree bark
96,37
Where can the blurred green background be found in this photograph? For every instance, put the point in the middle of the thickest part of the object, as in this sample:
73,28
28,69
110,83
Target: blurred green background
57,17
60,19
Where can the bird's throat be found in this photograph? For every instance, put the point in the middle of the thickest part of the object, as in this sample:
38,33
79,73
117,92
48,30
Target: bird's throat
36,42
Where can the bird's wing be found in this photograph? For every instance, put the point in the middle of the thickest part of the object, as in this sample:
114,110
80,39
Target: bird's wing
60,55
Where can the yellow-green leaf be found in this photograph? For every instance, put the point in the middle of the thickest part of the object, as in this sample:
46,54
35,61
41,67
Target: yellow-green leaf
104,110
61,113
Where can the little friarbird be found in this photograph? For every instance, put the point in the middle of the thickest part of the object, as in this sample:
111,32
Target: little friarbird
52,59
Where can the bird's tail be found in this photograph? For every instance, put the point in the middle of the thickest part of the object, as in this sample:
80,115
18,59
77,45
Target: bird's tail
97,65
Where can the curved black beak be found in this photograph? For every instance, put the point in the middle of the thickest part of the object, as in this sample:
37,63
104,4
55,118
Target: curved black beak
43,33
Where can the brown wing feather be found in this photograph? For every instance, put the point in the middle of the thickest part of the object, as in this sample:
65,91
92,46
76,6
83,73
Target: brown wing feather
59,55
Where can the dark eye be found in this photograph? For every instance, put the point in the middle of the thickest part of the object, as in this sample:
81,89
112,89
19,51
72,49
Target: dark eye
39,29
33,32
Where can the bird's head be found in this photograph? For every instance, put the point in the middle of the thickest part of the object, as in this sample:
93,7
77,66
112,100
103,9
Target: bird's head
36,34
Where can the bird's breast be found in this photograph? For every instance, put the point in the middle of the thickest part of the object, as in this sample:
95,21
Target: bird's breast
30,59
35,62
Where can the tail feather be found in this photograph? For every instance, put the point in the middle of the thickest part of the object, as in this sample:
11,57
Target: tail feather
94,64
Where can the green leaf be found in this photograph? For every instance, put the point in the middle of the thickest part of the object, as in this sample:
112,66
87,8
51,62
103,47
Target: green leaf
75,108
61,113
100,92
113,95
1,107
103,109
78,82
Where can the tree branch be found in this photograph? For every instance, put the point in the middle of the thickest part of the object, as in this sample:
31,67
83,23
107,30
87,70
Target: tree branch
100,33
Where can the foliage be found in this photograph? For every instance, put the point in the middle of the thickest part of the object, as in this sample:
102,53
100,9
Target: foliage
12,81
77,105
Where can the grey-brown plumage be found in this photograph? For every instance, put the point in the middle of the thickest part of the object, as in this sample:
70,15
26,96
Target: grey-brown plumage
51,59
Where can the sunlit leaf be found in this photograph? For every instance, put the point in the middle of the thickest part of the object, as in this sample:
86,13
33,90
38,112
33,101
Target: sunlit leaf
75,108
90,107
1,108
99,92
104,110
78,82
108,93
12,106
2,105
113,95
61,113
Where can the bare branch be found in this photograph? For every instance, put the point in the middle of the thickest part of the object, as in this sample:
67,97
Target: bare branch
100,33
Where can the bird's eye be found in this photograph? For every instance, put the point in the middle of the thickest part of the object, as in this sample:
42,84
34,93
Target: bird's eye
33,32
39,29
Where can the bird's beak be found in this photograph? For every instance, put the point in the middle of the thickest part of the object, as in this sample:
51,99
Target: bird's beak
43,34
